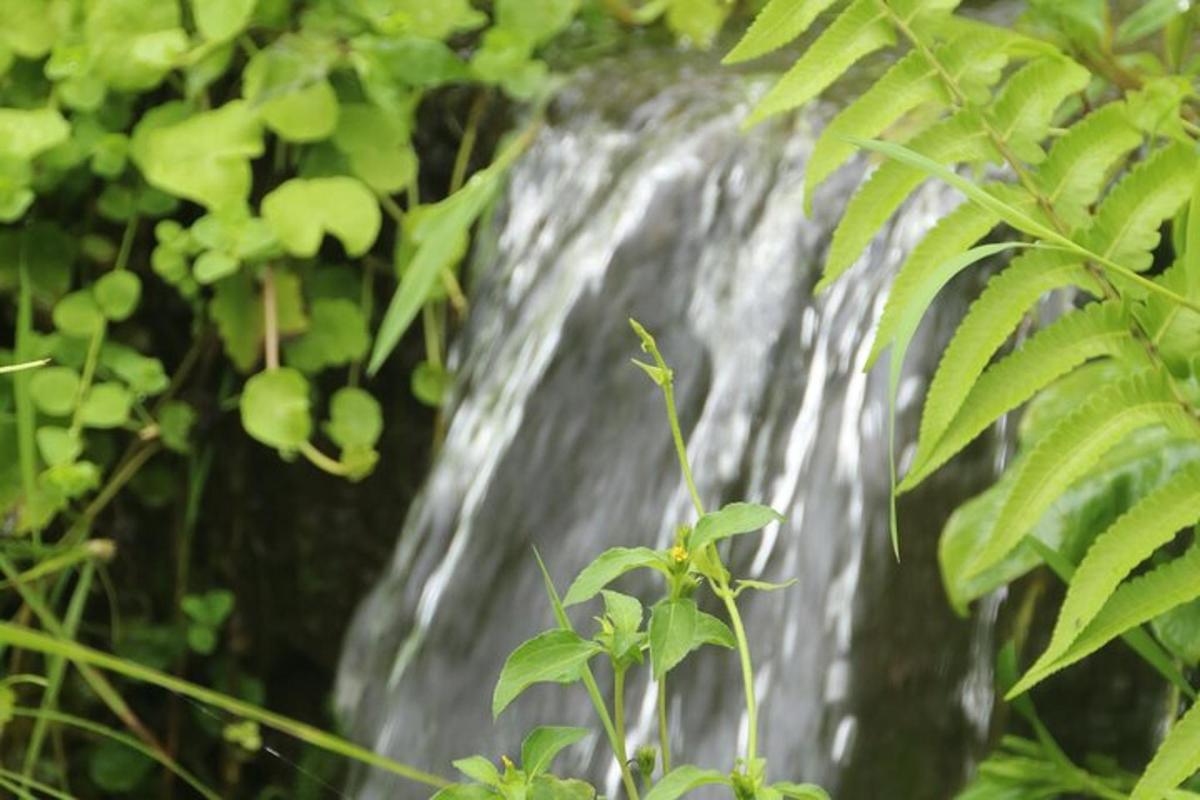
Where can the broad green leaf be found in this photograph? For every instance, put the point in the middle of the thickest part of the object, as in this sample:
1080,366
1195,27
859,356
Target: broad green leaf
731,520
1178,757
236,309
302,211
779,22
26,134
1073,448
710,630
117,294
989,321
606,568
214,265
204,157
431,383
682,780
218,20
439,237
78,315
275,408
355,419
464,791
29,28
544,743
1153,522
116,769
133,44
1099,329
379,149
699,21
410,62
625,612
537,21
1151,17
438,21
557,656
53,390
175,421
1179,631
308,114
548,787
107,405
336,335
801,791
478,769
58,445
858,31
672,633
286,84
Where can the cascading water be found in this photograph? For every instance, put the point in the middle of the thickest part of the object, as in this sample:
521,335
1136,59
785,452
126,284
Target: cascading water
642,198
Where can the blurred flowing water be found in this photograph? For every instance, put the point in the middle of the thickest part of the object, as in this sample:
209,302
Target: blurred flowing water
641,197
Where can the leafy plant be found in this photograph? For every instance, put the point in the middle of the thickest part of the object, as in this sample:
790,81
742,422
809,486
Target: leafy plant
675,628
1079,130
205,203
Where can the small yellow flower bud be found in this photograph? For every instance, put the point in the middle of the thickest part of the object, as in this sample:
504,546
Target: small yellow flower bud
678,553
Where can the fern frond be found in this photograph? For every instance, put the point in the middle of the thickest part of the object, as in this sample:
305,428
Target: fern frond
1081,160
1025,106
1098,329
1129,541
1174,329
1134,603
910,83
858,31
1128,220
959,138
1074,447
989,322
779,22
1178,757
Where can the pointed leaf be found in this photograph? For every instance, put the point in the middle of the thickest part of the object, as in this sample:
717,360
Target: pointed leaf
682,780
672,633
478,769
779,22
731,520
1177,759
607,567
544,743
552,657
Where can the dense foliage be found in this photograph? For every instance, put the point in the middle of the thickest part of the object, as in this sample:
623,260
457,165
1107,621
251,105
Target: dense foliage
235,207
1079,129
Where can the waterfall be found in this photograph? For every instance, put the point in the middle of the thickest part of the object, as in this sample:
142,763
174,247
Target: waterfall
642,197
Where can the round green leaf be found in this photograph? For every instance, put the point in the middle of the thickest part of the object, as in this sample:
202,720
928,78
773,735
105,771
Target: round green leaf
302,211
430,384
175,421
218,20
212,265
116,768
379,149
337,334
78,315
275,408
107,406
309,114
58,445
117,294
54,389
355,419
26,134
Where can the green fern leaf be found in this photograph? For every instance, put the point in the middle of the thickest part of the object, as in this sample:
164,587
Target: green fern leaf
1129,541
952,234
1128,220
1025,106
990,320
858,31
780,22
1081,161
973,62
959,138
1099,329
1178,757
1134,603
1073,448
1174,329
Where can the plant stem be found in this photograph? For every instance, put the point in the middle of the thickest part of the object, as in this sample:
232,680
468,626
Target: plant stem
270,319
664,734
85,381
739,631
619,713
